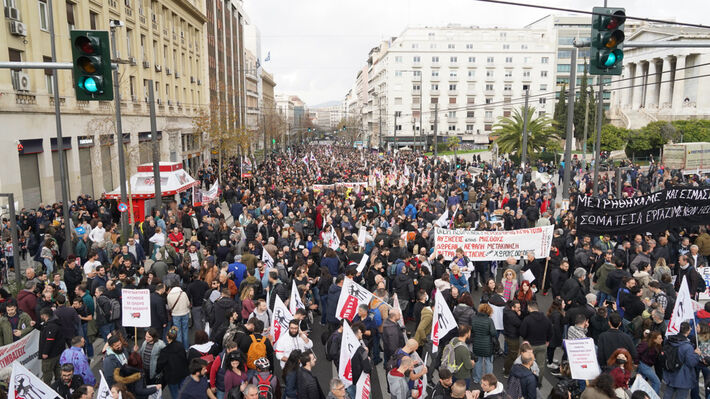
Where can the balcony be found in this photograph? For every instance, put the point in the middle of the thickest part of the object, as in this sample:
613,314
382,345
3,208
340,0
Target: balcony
490,92
252,93
432,106
434,92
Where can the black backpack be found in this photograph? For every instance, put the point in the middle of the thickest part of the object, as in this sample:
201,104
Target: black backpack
670,360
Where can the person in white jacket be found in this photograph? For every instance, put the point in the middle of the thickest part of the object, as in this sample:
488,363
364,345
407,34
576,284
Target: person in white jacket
295,339
98,233
179,308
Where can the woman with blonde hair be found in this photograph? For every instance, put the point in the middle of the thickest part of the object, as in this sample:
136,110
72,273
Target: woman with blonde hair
247,298
510,284
661,269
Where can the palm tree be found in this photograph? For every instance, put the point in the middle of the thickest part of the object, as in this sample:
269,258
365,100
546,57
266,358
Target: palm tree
541,132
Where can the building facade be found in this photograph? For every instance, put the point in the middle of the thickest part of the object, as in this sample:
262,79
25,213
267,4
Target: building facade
660,83
162,41
469,76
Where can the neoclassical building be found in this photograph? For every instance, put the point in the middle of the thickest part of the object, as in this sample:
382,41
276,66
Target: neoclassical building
662,83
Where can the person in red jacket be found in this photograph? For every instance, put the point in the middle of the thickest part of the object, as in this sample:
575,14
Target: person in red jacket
27,300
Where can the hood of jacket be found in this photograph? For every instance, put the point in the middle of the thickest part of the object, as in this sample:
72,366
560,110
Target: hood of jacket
224,303
23,294
677,340
520,371
126,375
498,390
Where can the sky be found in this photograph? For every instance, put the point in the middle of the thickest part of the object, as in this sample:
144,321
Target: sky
317,46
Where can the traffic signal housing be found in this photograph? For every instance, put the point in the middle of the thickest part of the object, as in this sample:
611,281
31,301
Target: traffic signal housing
91,58
607,44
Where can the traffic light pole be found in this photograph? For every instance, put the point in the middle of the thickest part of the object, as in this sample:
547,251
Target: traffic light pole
60,145
597,145
119,136
570,125
156,150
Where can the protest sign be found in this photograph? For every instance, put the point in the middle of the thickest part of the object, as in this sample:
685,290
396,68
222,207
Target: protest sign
363,263
23,351
705,274
25,384
135,308
352,295
658,211
494,245
582,358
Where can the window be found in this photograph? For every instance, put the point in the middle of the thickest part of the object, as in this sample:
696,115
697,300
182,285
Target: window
93,20
470,100
563,68
434,72
526,60
564,53
541,113
542,100
489,114
431,127
490,73
508,60
417,59
432,45
489,87
129,43
489,100
398,59
48,76
453,74
470,114
545,60
452,100
452,87
43,16
503,35
453,59
143,54
417,73
488,128
435,86
398,101
397,73
506,113
523,46
506,47
416,87
415,100
431,35
452,114
155,52
132,84
469,128
508,73
471,73
526,74
471,60
543,87
70,15
469,46
565,40
452,128
543,74
490,60
434,59
415,45
507,87
451,46
434,100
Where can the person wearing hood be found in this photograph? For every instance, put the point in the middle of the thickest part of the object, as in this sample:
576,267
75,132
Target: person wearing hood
536,328
116,356
51,345
222,308
524,374
491,388
131,374
680,382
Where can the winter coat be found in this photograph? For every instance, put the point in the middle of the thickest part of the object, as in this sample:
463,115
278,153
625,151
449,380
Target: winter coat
424,327
611,340
483,332
308,386
404,287
686,376
172,362
154,355
573,292
392,338
332,304
134,380
27,302
557,321
463,314
398,384
23,324
600,278
158,310
536,328
528,381
511,324
51,342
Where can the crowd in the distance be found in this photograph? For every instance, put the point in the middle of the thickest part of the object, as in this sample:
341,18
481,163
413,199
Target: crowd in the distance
213,289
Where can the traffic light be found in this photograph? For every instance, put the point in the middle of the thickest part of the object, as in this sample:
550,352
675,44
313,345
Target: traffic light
273,141
607,47
91,57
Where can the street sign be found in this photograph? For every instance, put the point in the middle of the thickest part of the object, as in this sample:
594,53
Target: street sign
122,207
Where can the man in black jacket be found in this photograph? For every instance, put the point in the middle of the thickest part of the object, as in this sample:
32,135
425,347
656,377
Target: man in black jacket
573,290
361,362
511,332
558,277
69,321
277,287
51,345
613,339
223,307
73,275
158,312
308,386
68,383
404,288
536,328
392,337
442,390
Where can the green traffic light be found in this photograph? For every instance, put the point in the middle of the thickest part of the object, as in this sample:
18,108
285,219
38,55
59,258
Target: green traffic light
92,65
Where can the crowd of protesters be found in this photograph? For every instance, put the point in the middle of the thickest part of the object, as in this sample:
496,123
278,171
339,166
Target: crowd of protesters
212,292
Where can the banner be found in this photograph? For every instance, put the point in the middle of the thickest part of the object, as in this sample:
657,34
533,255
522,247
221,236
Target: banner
295,301
26,385
25,351
246,167
494,245
640,384
362,389
135,308
348,347
104,391
582,358
442,322
211,194
352,295
658,211
279,319
266,258
682,310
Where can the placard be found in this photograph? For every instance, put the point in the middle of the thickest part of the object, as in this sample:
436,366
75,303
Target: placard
135,308
705,273
582,358
494,245
25,351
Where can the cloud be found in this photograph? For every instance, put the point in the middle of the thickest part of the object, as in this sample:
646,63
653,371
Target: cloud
317,46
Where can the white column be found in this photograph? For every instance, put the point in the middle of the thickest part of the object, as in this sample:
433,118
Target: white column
679,83
652,85
666,91
638,86
625,94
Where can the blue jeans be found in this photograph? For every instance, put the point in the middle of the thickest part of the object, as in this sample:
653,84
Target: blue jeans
650,374
105,330
49,265
484,365
88,347
351,391
181,323
174,390
675,393
601,297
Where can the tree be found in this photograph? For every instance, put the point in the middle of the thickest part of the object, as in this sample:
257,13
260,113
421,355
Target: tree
693,131
584,93
613,138
350,129
541,132
222,132
651,138
560,113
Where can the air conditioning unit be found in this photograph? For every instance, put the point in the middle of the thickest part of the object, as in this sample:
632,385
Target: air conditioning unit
132,60
146,64
192,79
21,81
17,28
157,101
158,68
168,71
12,13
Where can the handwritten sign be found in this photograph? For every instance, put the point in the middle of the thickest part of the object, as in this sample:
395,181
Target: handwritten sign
582,358
135,308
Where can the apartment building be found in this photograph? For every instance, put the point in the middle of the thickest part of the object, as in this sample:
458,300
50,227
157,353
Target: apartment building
162,41
472,76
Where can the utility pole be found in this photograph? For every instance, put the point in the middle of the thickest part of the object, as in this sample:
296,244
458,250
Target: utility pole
60,148
586,118
119,139
154,140
436,129
395,129
570,124
598,142
524,157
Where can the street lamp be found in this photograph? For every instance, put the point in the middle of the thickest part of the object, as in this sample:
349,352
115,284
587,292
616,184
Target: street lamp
586,117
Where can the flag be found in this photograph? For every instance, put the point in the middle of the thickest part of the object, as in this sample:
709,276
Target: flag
348,346
266,258
443,221
25,385
279,319
268,57
362,389
295,302
362,236
442,322
352,295
104,391
682,311
395,306
453,216
332,240
363,263
640,384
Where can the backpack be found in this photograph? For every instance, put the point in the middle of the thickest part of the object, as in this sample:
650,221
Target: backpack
514,390
701,282
669,358
263,386
257,350
395,268
333,342
393,361
448,356
115,312
208,357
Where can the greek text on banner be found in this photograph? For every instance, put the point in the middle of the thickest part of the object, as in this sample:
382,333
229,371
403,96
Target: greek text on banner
494,245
